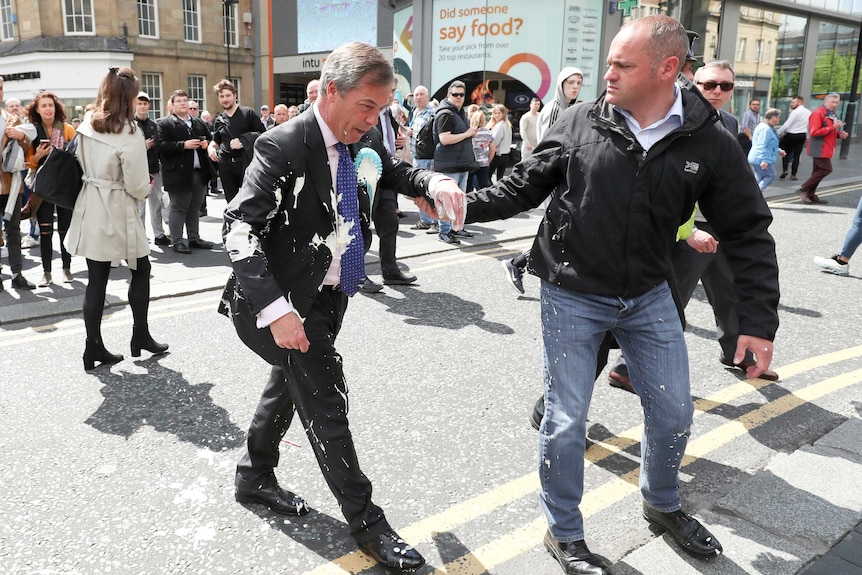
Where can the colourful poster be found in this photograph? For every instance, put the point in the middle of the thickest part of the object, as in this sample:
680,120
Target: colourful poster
402,48
529,41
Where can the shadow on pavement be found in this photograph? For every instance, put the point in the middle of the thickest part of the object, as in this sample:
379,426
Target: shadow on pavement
163,399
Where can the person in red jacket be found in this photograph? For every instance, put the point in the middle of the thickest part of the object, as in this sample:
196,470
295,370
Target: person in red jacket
824,129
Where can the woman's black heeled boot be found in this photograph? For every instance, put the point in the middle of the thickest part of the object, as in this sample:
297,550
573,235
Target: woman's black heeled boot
141,339
95,352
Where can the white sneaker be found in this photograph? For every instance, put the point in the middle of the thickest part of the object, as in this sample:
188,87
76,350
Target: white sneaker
833,265
29,242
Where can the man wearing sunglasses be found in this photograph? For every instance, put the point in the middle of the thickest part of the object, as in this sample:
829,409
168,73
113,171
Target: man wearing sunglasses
453,155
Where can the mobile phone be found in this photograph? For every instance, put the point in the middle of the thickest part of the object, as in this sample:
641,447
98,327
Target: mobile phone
202,138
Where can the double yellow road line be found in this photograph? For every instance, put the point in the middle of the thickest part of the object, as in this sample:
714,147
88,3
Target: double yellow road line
518,541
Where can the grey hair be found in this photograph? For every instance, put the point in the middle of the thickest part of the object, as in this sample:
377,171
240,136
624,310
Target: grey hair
832,95
351,64
772,113
721,64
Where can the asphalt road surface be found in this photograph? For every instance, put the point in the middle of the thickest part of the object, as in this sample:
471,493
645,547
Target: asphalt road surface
129,469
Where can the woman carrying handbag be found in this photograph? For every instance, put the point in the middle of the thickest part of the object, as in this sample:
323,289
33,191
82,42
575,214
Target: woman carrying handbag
105,223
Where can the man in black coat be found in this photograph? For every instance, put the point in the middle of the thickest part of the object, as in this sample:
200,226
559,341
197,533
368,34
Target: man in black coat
292,234
149,130
186,170
234,131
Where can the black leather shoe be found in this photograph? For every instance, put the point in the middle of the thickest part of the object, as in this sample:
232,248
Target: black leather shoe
768,375
538,413
576,558
201,244
162,240
20,282
621,381
398,278
277,499
182,248
369,286
692,537
393,553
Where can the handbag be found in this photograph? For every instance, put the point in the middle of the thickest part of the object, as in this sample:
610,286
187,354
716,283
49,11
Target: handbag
60,178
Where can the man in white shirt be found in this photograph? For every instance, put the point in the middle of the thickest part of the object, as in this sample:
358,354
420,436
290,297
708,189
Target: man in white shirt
793,134
528,128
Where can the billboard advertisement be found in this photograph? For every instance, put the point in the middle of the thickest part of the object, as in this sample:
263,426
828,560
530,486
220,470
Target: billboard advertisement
529,41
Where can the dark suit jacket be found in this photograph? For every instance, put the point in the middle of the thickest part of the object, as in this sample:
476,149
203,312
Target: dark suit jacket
729,121
280,228
177,162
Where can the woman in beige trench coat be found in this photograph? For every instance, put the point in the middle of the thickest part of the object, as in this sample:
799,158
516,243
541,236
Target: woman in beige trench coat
105,223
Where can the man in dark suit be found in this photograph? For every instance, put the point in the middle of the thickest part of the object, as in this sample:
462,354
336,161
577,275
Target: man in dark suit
186,171
296,234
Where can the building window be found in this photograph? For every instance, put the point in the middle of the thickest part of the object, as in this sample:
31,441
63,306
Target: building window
740,50
7,27
148,21
235,82
78,16
758,50
197,92
191,21
152,85
231,34
767,55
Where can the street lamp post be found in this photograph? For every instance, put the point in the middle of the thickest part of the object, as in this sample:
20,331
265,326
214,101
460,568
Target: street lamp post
228,31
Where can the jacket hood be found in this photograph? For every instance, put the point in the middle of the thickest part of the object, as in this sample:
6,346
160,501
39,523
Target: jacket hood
562,77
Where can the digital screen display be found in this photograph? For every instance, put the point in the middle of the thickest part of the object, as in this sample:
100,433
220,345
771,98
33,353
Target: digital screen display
324,25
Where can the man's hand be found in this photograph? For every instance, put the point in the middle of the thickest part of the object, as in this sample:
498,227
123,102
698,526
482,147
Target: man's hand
762,350
451,203
235,144
288,332
702,242
212,151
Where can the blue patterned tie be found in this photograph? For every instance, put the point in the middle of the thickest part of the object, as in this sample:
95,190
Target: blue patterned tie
353,258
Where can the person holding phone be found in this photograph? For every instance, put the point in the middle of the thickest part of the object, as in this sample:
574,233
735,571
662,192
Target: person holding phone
186,171
48,114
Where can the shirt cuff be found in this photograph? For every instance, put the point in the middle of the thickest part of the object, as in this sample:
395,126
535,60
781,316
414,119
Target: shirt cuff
279,308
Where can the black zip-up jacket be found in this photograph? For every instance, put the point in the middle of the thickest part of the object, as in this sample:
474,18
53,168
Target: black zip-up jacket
150,130
614,208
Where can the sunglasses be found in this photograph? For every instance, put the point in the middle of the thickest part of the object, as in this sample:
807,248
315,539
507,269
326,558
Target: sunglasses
458,95
709,86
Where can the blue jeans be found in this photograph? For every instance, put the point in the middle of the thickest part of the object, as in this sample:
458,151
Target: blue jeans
461,178
854,234
425,165
649,332
763,176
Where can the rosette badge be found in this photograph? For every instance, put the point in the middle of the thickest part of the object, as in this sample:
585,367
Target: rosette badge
369,167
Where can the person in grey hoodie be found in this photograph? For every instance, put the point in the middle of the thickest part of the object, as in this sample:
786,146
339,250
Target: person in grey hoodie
568,86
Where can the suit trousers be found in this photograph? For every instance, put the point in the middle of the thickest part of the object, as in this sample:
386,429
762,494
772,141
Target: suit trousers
822,168
184,208
313,383
793,144
715,274
385,218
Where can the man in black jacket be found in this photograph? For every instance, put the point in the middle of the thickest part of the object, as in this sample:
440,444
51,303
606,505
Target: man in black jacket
234,131
624,173
149,130
186,170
